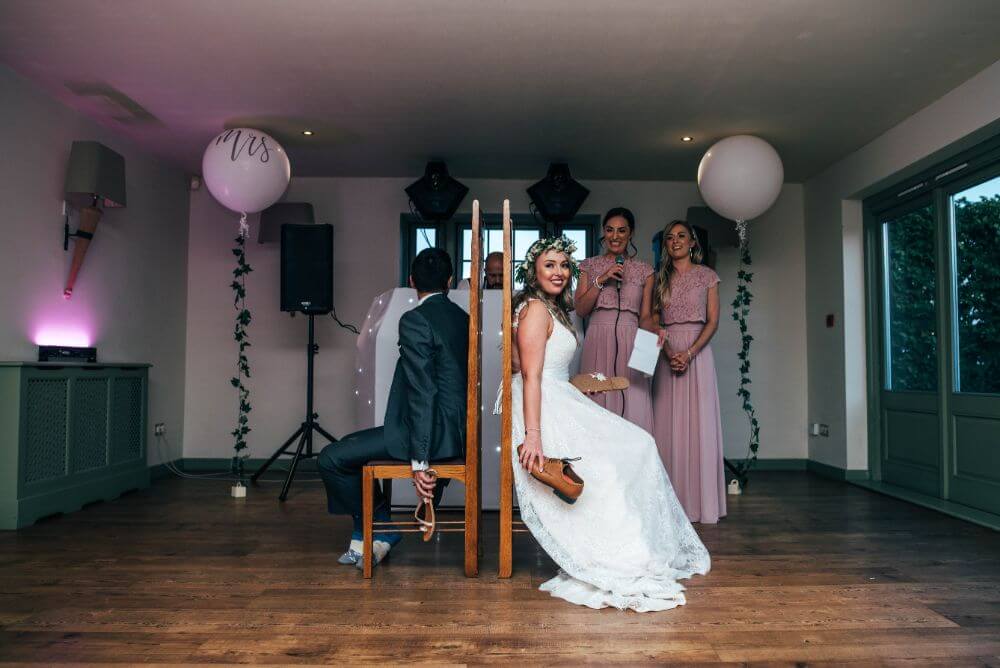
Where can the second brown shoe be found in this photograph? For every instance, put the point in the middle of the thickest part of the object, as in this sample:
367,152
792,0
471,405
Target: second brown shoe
560,476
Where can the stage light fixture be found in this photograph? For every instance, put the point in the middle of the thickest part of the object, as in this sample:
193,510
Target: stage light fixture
686,138
558,196
436,195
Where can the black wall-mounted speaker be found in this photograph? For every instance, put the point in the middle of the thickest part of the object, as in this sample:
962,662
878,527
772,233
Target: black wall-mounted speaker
307,268
558,196
436,195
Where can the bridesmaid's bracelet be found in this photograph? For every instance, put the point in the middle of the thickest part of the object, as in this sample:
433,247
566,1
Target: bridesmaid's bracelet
533,429
596,284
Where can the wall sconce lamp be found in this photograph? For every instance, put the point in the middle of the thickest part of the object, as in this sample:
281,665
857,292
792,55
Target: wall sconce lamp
94,173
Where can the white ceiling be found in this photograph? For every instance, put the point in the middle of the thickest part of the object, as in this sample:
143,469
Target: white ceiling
501,88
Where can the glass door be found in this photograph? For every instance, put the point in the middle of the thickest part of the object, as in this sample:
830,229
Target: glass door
911,451
973,221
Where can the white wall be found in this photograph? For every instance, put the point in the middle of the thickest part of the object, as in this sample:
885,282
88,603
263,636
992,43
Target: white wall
365,214
129,299
834,253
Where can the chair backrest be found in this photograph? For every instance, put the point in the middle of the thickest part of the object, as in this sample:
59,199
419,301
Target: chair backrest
506,469
473,424
508,339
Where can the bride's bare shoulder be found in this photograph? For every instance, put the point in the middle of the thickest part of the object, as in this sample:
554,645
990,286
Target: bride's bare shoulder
534,315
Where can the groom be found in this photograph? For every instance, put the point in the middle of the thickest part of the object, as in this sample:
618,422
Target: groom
425,415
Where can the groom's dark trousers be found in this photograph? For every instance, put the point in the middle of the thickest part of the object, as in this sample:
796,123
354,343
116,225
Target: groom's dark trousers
425,413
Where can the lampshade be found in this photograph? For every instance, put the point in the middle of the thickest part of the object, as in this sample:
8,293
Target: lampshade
274,216
95,170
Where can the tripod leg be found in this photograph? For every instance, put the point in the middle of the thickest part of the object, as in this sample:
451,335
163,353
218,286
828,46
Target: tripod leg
277,454
324,433
306,434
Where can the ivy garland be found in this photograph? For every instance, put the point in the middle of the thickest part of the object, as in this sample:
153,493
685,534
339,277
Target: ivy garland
242,365
741,309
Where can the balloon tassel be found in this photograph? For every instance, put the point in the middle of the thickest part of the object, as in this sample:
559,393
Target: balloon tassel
742,230
244,226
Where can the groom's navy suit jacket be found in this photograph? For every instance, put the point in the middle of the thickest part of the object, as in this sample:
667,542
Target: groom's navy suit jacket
425,414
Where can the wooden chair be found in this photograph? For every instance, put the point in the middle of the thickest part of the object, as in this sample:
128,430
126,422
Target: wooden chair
468,470
508,525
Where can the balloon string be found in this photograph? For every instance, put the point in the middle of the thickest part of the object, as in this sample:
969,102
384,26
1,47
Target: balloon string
244,227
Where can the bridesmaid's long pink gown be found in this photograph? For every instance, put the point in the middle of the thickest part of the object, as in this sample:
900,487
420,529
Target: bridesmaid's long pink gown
686,421
634,404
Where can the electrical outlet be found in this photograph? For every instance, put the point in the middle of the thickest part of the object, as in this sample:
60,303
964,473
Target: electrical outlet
159,429
818,429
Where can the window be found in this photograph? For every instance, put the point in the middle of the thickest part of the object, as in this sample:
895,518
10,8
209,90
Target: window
975,244
910,329
493,243
455,236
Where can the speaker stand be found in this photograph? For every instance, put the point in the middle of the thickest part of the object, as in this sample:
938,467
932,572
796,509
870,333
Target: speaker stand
304,433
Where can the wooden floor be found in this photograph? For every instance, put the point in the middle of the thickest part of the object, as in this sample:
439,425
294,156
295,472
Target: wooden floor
804,570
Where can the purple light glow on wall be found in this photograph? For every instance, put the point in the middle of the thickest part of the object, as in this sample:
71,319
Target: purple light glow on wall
62,335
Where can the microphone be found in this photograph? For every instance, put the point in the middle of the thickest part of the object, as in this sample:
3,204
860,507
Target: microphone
620,261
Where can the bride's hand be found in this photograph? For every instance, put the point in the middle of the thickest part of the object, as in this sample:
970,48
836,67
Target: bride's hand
531,455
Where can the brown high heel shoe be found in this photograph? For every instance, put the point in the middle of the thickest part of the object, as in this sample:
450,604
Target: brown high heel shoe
427,521
560,476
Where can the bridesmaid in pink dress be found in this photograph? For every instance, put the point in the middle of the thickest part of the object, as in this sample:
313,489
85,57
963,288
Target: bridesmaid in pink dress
615,314
686,421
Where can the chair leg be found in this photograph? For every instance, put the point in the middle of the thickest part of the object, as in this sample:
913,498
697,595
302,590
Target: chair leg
506,520
471,529
367,512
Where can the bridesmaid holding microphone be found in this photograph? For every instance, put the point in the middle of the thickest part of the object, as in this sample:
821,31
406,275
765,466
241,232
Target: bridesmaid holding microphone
615,293
686,421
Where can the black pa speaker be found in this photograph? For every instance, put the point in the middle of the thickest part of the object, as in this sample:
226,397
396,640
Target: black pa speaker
436,195
307,268
558,196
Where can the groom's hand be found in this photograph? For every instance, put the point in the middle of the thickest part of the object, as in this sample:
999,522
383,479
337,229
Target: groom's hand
424,483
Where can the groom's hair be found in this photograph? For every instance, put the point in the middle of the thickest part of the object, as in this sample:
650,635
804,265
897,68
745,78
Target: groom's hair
431,270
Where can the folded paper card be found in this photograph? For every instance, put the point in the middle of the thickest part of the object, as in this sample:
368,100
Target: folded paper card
645,353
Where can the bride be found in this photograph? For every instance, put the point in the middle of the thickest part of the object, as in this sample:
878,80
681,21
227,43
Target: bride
627,541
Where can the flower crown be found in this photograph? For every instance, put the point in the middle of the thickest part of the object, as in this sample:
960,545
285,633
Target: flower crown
561,244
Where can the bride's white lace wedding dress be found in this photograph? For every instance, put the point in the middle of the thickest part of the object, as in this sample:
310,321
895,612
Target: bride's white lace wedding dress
627,541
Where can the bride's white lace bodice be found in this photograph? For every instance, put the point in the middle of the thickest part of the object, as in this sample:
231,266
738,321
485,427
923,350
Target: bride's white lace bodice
560,349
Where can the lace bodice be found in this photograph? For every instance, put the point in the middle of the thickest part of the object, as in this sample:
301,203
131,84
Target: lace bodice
689,296
636,273
559,349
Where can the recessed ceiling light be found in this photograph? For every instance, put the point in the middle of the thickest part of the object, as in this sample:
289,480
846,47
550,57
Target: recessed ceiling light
307,133
686,138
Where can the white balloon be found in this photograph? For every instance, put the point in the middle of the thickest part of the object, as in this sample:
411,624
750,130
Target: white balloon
246,170
740,177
